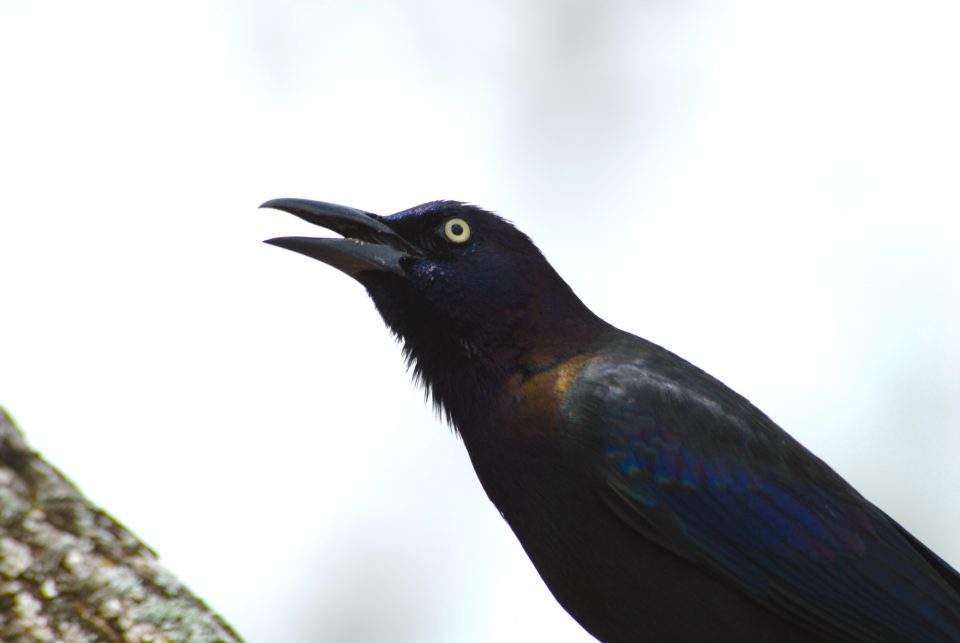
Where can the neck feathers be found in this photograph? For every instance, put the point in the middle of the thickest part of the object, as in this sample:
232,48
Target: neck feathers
463,368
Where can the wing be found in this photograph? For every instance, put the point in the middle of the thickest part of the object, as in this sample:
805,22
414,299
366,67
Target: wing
696,468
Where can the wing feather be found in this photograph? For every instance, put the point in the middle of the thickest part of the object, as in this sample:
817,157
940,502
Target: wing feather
697,469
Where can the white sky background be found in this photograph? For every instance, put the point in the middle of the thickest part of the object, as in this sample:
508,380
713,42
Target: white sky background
768,189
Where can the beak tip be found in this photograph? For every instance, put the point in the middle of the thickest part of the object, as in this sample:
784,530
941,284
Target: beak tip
271,204
280,242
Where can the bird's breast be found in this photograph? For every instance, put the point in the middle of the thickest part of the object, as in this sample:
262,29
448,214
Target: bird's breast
522,454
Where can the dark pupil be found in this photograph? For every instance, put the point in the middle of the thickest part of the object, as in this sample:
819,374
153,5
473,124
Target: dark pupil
456,229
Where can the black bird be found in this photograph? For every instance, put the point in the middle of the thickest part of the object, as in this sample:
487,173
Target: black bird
656,503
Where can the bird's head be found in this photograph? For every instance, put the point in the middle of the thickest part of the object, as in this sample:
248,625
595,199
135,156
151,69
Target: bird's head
468,294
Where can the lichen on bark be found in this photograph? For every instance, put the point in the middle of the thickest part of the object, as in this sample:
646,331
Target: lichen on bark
70,572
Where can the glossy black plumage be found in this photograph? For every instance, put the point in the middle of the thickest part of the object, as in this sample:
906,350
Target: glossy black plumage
656,503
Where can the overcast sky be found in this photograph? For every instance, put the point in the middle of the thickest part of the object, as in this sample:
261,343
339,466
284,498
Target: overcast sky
768,189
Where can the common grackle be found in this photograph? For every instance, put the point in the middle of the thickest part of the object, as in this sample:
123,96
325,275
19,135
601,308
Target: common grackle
656,503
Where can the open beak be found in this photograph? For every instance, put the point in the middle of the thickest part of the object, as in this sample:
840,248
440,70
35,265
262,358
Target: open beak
369,244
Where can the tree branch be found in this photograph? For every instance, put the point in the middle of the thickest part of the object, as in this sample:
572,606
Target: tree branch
68,571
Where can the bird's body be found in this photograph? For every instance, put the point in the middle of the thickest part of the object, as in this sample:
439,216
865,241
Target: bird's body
551,495
656,503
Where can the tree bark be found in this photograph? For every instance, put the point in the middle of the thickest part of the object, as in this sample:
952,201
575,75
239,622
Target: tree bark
70,572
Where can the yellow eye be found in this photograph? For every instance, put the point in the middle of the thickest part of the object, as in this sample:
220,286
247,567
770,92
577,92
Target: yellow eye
456,230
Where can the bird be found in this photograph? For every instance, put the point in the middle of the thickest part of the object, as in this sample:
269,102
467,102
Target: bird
656,503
